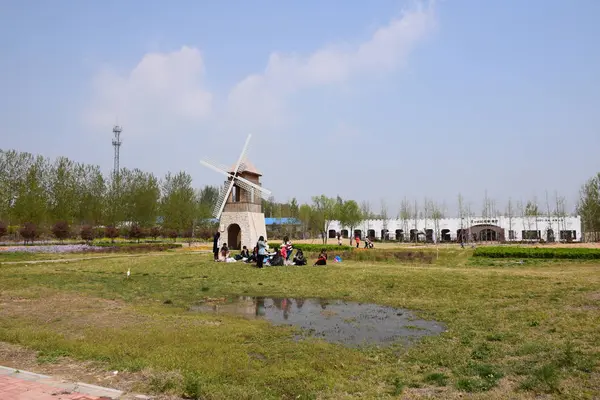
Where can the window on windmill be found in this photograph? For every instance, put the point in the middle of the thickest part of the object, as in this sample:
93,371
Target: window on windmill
236,194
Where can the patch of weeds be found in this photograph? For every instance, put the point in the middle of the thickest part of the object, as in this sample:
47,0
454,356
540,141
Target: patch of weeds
544,379
50,357
162,383
571,357
494,337
414,328
389,285
131,365
483,378
398,386
534,323
437,378
205,288
481,352
192,386
168,301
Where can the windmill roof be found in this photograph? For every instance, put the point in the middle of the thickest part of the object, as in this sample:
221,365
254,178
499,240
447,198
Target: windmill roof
251,168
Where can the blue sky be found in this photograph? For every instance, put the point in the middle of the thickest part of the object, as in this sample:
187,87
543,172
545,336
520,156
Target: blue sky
370,102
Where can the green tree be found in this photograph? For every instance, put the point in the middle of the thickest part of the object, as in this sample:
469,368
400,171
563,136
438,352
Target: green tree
305,216
91,186
207,199
141,195
31,202
588,205
63,191
294,209
178,203
325,210
350,216
13,170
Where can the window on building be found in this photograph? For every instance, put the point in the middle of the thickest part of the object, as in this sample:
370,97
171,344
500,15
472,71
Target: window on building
530,235
511,235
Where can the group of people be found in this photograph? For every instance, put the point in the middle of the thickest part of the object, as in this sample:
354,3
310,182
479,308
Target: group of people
262,255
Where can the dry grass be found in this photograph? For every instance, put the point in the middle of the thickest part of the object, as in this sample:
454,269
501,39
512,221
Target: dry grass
514,331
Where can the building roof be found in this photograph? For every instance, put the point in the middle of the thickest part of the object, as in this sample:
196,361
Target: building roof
281,221
250,168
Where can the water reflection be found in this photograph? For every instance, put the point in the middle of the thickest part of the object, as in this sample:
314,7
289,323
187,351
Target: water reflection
333,320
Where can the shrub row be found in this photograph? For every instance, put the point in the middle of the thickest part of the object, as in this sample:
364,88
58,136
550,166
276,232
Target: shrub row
537,252
315,248
389,255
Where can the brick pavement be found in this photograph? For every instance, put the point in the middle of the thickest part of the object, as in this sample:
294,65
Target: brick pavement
18,389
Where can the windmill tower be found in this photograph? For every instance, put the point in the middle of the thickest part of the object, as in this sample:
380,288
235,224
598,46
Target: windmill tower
239,208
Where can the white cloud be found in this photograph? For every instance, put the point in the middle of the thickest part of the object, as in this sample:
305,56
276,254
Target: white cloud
163,88
167,89
259,99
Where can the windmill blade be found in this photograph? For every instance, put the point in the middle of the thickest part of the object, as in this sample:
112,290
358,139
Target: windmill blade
222,171
222,203
242,155
257,188
243,183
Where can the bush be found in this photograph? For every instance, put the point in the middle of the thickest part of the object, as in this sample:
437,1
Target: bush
537,252
3,229
204,233
154,232
173,234
136,232
111,232
87,233
29,232
61,230
99,232
315,248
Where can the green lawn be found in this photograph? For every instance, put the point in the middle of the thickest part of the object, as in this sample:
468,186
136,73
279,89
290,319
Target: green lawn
514,330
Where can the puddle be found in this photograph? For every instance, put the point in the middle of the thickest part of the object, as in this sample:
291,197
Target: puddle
335,321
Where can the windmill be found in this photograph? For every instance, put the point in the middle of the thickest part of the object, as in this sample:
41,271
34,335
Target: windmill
239,208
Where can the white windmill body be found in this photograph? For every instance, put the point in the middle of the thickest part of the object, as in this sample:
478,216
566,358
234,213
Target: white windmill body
239,207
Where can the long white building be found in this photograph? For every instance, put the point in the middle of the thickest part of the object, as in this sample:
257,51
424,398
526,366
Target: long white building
468,229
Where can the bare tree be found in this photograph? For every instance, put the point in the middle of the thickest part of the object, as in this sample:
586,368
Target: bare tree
436,215
405,215
365,209
560,212
426,213
384,217
415,218
510,213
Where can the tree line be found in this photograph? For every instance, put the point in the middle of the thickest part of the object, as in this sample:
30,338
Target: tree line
39,193
43,194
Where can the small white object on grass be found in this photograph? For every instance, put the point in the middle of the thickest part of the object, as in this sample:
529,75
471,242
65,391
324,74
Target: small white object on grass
128,272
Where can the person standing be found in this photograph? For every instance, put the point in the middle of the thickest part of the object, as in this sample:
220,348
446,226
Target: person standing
216,245
262,251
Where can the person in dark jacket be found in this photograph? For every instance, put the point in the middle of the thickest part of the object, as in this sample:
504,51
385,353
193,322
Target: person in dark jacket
322,260
216,245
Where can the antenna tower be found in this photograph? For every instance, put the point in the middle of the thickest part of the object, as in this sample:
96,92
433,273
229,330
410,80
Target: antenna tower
117,145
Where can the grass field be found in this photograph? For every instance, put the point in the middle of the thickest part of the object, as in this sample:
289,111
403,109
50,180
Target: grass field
514,330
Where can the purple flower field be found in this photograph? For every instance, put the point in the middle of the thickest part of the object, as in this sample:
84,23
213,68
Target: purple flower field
56,249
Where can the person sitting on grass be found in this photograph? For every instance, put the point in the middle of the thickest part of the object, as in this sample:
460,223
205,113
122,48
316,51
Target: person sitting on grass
224,253
322,260
244,254
277,259
299,258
